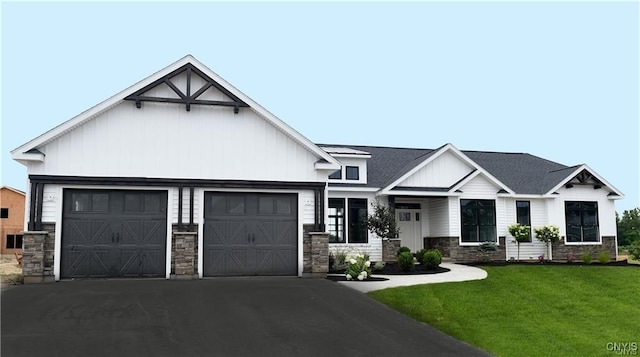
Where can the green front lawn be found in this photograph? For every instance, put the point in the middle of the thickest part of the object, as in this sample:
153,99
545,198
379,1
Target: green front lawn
532,310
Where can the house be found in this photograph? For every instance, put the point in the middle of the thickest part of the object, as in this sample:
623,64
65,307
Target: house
183,176
454,200
11,220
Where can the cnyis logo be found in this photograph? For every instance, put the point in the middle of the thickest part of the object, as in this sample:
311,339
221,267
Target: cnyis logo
623,348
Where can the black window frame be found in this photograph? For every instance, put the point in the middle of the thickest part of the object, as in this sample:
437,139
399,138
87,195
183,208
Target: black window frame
4,212
349,170
357,218
580,210
14,239
523,208
334,220
473,219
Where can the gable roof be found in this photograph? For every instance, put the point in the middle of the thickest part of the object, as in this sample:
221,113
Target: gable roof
521,173
12,190
28,151
423,161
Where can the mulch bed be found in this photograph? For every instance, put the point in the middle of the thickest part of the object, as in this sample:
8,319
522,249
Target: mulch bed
389,269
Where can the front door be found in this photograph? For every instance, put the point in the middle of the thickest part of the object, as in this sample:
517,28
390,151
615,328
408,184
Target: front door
410,228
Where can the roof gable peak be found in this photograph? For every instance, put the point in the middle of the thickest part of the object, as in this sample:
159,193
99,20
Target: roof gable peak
186,85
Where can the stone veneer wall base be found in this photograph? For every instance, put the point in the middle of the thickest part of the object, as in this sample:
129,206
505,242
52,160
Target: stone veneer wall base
38,251
315,253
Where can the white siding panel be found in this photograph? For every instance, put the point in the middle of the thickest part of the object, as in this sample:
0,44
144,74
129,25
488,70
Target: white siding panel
373,248
439,217
454,217
50,203
308,207
174,194
528,251
164,140
479,188
443,171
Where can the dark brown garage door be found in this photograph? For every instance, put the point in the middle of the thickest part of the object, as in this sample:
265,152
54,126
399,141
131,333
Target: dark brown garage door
113,233
250,234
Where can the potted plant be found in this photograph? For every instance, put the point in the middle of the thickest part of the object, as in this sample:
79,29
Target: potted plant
520,233
548,234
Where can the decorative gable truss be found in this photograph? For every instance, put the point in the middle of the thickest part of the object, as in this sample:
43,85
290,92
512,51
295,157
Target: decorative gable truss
187,85
583,175
442,173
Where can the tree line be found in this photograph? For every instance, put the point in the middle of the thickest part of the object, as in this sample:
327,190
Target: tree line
628,227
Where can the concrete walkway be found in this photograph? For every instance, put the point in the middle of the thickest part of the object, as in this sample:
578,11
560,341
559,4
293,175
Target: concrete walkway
458,273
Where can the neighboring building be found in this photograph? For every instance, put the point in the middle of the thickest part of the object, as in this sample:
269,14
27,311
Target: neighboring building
183,174
11,220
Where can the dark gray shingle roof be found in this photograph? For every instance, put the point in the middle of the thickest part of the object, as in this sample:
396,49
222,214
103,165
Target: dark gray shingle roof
523,173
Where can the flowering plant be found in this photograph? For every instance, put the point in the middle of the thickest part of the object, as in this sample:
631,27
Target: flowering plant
359,267
520,233
548,234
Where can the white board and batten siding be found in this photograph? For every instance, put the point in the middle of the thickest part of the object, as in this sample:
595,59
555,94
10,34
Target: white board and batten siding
163,140
443,171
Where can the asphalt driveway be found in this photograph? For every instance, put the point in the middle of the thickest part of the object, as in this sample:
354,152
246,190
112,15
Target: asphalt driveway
212,317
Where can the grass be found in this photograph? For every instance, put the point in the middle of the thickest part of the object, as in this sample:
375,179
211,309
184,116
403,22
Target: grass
531,310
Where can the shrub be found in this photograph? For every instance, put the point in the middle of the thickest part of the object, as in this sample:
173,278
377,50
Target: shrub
378,266
359,267
484,251
586,258
431,259
604,257
337,261
405,261
634,251
402,250
419,254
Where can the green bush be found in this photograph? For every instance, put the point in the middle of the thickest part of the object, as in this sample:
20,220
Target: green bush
402,250
634,251
378,266
604,257
431,259
405,261
586,258
337,261
419,254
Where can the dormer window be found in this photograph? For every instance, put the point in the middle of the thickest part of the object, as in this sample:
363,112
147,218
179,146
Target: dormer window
336,175
353,173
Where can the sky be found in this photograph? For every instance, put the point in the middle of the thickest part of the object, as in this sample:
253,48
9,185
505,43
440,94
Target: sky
559,80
